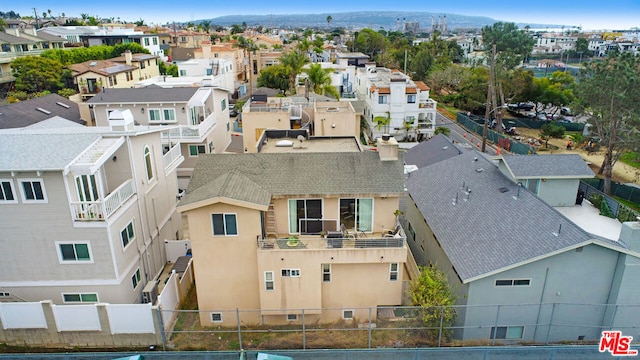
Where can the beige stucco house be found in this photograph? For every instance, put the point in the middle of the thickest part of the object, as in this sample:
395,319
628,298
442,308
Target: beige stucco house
292,234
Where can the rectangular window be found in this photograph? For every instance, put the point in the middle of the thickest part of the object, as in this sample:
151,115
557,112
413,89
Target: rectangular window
154,115
80,298
292,317
127,235
382,99
146,41
7,195
290,272
183,72
32,190
169,114
357,214
511,282
135,278
223,104
224,224
155,41
216,317
411,99
142,65
507,332
393,272
268,280
326,272
74,252
347,314
194,150
412,232
305,209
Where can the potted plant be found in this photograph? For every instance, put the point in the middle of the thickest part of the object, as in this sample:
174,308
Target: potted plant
293,241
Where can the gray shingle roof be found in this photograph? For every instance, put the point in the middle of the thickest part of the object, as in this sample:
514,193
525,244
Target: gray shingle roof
232,185
297,174
11,39
490,230
429,152
25,113
147,95
559,165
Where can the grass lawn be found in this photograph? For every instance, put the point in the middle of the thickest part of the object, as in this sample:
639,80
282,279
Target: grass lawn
631,158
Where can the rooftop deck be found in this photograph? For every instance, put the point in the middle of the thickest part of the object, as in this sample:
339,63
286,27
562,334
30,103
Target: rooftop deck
315,242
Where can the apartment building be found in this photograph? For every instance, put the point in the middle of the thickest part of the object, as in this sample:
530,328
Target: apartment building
90,207
319,116
199,118
287,231
395,104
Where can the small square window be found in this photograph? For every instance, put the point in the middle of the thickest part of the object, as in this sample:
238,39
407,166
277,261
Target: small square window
135,279
33,190
7,194
292,317
74,252
216,317
347,314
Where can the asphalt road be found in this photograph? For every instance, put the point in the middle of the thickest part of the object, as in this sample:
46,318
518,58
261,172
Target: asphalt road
462,136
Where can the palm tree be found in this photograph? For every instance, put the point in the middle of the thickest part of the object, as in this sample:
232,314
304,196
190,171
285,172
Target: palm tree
329,18
205,25
293,61
382,121
247,46
320,81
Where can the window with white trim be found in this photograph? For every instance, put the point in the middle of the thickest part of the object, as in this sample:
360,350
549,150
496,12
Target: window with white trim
224,224
162,115
290,272
7,193
513,282
347,314
393,272
326,272
507,332
216,317
80,298
195,150
127,235
268,280
135,278
148,163
411,99
32,190
223,104
292,317
74,252
382,99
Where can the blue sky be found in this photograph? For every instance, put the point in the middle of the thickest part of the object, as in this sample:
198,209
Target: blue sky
586,13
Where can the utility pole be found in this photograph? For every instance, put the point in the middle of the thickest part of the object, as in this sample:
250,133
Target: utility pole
490,99
35,12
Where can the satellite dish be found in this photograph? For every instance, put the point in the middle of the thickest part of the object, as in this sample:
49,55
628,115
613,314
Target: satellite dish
301,138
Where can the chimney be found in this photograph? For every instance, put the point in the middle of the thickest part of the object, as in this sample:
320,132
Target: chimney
128,57
630,235
387,148
206,49
121,120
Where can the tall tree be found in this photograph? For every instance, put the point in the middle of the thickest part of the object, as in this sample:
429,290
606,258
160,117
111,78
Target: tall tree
320,81
329,19
35,74
274,77
293,61
608,91
512,45
369,42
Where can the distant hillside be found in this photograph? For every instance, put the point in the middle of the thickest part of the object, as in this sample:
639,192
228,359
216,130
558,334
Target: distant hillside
388,20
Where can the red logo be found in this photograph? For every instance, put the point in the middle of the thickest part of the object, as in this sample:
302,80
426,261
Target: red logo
616,344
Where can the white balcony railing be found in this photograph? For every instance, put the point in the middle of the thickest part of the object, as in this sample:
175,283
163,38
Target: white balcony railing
427,104
102,209
191,132
173,155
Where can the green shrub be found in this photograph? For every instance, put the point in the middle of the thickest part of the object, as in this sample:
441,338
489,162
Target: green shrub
605,211
596,200
626,214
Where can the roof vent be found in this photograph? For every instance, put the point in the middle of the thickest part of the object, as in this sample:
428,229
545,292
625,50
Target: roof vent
63,105
93,63
479,170
44,111
445,147
503,189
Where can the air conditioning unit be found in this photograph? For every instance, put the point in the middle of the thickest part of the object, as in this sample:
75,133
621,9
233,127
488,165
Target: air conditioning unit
150,292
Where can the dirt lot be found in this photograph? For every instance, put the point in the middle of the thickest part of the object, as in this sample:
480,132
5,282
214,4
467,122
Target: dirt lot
621,172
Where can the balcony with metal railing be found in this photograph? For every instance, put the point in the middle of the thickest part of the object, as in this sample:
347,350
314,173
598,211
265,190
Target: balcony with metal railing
100,210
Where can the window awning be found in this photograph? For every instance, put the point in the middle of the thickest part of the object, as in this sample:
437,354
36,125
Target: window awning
95,156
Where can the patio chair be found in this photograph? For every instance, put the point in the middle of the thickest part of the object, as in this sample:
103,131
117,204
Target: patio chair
391,233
